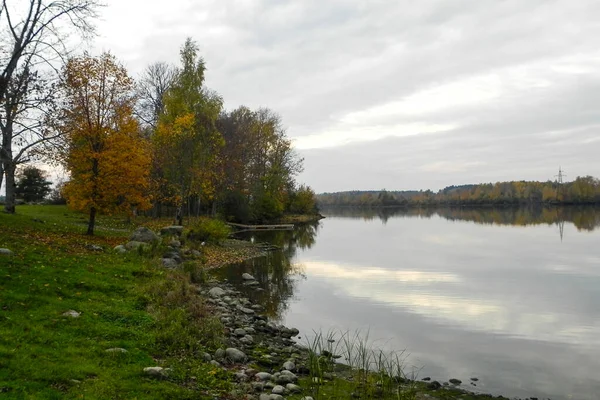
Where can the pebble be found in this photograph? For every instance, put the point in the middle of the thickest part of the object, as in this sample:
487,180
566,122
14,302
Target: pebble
116,350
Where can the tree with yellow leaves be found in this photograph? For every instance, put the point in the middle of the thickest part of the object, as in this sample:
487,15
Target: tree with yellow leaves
105,153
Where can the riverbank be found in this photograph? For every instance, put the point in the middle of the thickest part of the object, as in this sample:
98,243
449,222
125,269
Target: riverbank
79,319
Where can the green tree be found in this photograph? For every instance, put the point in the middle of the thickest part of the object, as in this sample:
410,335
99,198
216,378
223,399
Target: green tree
32,184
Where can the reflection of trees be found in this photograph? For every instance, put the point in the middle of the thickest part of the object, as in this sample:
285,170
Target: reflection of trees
277,272
584,218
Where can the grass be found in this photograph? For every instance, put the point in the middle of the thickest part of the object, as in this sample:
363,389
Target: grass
125,301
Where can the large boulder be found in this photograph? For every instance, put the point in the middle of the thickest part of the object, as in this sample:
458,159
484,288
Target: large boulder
145,235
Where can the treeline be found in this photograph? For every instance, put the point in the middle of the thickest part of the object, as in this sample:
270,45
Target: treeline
161,144
583,190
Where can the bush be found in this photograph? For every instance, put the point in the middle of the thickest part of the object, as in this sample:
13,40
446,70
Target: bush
209,230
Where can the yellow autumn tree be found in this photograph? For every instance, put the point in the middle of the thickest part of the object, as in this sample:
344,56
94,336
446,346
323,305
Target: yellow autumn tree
106,155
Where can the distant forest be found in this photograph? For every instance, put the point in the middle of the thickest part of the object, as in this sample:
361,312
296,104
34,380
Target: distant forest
583,190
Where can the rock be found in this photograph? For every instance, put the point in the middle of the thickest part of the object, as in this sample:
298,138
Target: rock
263,376
247,277
169,263
175,243
258,386
251,283
247,340
71,313
286,377
196,253
275,396
245,310
172,230
426,379
155,372
307,398
206,357
219,354
278,390
94,247
215,363
289,365
144,235
6,252
235,355
251,372
474,379
134,245
294,332
116,350
435,385
264,396
455,381
293,388
216,292
120,249
241,377
239,332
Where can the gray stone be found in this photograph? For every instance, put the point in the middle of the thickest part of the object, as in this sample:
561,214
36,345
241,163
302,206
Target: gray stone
134,245
289,365
307,398
245,310
269,385
235,355
94,247
278,390
247,277
251,283
275,396
120,249
264,396
6,252
216,292
455,381
241,377
71,313
215,363
251,372
155,372
172,230
175,243
258,386
219,354
116,350
263,376
169,263
239,332
286,377
293,388
196,253
206,357
144,235
247,340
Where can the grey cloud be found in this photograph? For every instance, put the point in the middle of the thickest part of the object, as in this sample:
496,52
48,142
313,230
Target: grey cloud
315,61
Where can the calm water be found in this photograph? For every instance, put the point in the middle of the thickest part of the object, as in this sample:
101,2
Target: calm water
511,297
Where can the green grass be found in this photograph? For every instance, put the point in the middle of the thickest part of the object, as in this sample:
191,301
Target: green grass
124,301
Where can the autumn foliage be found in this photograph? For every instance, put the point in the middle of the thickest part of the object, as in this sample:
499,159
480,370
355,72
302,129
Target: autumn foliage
105,153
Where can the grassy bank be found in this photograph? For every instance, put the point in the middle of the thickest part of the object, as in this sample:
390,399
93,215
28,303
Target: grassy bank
124,301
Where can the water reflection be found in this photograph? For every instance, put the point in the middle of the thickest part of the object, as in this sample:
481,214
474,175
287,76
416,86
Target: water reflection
497,299
277,274
584,218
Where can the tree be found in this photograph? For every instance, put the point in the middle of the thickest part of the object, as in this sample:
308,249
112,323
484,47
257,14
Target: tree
32,184
105,152
156,81
186,140
32,34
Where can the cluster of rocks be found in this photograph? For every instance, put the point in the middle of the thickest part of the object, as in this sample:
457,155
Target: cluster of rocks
252,339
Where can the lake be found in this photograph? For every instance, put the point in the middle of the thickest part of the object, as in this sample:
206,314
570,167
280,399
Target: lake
508,296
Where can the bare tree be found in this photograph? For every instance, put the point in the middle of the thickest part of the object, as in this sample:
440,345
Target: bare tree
156,80
32,34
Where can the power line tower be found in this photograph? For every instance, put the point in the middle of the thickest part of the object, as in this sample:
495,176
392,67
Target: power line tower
559,180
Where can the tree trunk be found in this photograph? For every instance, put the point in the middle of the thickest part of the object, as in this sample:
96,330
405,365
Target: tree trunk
92,221
1,175
11,196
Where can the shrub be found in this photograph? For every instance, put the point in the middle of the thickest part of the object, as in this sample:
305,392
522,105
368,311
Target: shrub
209,230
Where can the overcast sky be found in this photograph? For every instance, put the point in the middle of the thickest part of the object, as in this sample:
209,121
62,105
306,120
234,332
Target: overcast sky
395,94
